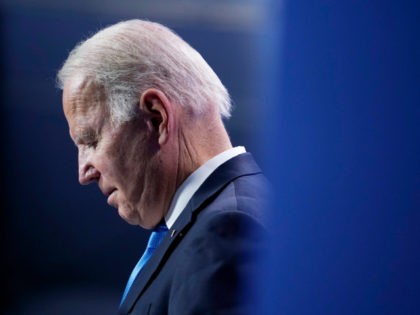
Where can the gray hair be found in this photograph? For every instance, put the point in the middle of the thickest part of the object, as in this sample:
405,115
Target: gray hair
129,57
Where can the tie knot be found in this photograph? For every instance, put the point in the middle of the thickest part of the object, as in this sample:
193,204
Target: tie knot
157,235
161,227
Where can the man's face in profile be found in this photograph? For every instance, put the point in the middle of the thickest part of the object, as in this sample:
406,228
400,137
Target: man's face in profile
122,160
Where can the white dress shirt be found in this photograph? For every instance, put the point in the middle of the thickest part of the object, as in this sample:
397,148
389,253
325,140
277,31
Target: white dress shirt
187,189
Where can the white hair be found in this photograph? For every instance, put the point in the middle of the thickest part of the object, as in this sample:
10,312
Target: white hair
129,57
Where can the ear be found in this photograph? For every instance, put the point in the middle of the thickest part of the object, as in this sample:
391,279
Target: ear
159,113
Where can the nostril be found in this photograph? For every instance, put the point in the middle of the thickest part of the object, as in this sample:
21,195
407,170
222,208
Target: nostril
88,175
92,174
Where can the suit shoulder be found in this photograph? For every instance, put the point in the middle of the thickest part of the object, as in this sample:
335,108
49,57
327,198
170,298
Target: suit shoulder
245,198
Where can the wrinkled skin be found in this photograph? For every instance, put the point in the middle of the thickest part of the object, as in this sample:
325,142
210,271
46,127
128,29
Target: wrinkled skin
127,162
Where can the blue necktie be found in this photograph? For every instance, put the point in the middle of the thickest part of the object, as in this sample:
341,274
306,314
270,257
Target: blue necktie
155,238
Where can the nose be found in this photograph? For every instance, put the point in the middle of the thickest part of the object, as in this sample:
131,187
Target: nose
87,171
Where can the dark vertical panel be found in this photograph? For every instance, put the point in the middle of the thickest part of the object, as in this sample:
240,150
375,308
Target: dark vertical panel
4,212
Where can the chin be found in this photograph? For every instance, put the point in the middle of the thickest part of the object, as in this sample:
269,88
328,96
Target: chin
129,216
133,217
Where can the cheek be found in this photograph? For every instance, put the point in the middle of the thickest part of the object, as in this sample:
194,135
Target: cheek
107,162
143,179
133,155
125,167
134,158
106,168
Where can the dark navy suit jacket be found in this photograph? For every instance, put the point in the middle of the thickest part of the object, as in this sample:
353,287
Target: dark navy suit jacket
205,262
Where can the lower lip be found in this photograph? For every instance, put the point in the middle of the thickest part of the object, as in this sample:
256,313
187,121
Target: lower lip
110,197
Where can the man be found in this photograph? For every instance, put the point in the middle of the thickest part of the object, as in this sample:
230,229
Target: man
145,111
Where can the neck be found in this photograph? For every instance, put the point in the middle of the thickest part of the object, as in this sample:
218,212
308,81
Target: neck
198,143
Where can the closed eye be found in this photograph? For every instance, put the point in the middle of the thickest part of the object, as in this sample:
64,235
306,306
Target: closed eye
92,144
87,138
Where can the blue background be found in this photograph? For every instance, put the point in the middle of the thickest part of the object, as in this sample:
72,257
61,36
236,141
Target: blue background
327,98
345,153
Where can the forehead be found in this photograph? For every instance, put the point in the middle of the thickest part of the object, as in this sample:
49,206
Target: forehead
81,95
83,105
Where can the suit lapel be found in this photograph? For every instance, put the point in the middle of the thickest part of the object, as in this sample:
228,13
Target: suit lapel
236,167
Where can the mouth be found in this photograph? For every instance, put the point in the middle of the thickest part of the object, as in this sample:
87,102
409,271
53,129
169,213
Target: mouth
110,192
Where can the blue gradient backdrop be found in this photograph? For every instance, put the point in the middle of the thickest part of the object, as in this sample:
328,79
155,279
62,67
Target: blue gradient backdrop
344,103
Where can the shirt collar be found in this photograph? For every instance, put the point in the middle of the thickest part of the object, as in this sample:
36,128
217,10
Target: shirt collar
191,184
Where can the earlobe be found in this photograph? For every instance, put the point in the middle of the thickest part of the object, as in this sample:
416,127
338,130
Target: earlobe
157,108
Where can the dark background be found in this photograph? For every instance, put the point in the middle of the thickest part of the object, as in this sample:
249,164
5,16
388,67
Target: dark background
327,98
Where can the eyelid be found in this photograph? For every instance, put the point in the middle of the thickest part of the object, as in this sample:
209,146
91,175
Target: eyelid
87,138
92,144
89,143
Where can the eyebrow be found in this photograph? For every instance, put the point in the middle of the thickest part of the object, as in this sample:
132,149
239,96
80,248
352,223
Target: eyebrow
84,135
